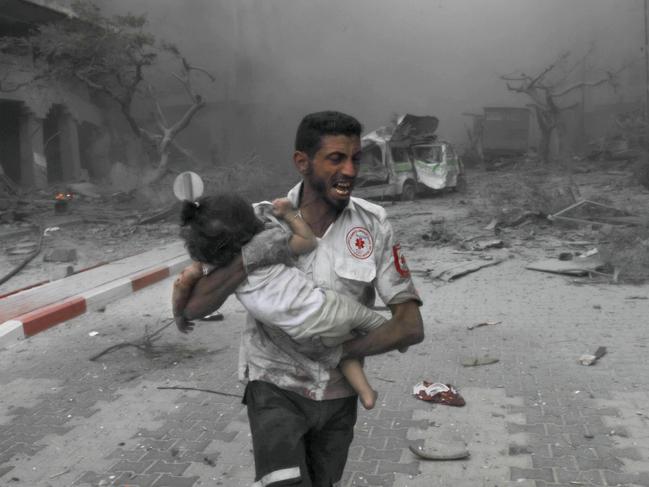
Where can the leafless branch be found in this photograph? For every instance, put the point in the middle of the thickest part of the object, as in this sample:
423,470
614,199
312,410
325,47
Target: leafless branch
187,153
610,78
161,120
187,117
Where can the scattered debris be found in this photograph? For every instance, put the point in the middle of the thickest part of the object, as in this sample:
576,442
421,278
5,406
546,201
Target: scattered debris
484,244
62,203
93,333
26,261
458,269
440,232
477,361
62,472
484,323
145,346
209,461
23,248
173,210
216,316
526,217
580,266
384,379
180,388
636,297
88,190
438,393
7,185
588,359
519,450
50,230
492,224
61,255
448,451
603,214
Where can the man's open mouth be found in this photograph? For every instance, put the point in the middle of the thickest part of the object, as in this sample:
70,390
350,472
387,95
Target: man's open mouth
343,188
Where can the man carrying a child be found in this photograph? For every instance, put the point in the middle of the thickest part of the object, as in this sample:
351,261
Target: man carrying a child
302,426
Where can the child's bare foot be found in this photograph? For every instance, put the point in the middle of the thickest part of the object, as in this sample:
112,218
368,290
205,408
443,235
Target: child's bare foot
368,399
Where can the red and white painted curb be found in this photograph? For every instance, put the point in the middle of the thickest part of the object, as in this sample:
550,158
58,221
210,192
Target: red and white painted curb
41,319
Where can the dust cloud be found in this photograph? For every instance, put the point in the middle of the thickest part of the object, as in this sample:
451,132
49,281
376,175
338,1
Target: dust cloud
276,60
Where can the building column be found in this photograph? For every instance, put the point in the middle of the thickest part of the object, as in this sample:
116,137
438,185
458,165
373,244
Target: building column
33,165
70,158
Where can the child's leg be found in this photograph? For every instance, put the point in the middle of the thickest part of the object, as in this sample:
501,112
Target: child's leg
353,372
182,290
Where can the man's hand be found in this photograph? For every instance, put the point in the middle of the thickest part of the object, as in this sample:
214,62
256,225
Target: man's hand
210,292
267,248
405,328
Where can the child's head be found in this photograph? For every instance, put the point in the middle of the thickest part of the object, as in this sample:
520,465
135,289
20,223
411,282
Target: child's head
216,227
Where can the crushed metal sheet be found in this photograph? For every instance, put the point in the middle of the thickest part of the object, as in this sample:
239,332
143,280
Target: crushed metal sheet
575,267
454,270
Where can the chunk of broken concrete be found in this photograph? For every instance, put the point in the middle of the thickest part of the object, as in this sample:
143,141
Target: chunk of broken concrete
477,361
60,255
588,359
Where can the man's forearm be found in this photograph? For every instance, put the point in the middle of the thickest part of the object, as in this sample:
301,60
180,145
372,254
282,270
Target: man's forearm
405,328
211,291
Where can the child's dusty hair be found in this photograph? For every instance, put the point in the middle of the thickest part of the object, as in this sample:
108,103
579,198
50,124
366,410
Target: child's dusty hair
216,227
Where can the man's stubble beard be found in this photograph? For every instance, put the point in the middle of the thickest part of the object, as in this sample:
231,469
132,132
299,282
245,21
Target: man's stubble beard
320,188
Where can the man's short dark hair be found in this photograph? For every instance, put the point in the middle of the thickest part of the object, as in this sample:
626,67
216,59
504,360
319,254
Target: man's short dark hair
315,125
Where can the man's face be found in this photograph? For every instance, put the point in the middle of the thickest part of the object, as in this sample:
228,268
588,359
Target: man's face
333,169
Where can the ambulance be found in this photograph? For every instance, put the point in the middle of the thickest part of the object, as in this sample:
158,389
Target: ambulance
406,160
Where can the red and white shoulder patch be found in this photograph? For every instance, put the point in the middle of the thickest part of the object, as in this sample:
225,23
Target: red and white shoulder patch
359,242
400,261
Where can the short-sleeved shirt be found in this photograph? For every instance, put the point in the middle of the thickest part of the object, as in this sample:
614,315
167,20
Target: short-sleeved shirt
357,257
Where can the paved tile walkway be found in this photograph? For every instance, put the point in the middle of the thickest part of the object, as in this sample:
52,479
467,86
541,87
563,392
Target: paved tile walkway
535,418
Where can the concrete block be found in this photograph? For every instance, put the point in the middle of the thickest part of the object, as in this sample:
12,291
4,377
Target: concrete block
61,255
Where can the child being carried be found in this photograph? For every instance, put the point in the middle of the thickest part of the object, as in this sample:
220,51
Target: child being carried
216,227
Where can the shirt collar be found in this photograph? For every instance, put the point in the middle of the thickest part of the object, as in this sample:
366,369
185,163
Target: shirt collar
296,191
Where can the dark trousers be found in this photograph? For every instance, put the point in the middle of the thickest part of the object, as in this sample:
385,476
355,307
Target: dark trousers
298,441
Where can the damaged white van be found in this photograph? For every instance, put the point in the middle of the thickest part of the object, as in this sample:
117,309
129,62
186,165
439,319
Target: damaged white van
406,160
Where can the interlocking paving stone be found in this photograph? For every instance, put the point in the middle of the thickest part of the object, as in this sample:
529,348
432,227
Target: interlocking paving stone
161,466
5,469
566,476
545,474
411,468
374,454
362,479
135,467
171,481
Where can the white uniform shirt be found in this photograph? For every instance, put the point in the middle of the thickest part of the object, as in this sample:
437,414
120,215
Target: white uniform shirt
356,256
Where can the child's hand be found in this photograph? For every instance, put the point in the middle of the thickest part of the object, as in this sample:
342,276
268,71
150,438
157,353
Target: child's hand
183,325
282,206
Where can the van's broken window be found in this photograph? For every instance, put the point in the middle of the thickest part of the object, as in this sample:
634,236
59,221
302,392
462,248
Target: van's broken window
400,154
371,159
429,154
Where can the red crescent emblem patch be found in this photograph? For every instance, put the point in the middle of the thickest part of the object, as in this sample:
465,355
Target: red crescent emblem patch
400,261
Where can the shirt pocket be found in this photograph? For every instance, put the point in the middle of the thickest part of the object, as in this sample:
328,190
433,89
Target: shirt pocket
355,272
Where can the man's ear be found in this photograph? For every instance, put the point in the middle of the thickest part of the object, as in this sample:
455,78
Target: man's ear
301,161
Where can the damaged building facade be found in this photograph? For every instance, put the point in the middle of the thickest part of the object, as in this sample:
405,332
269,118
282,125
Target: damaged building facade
48,130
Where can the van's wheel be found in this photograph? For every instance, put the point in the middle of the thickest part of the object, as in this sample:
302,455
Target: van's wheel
460,184
409,191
